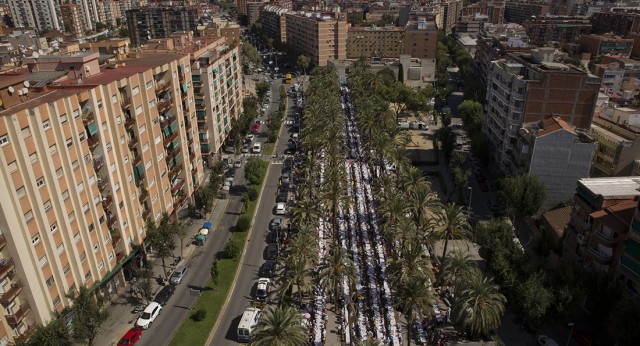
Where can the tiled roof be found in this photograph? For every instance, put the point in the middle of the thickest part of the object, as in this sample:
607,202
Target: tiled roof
558,219
552,124
617,216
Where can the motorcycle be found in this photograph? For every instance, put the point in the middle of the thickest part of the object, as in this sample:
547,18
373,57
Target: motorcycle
138,308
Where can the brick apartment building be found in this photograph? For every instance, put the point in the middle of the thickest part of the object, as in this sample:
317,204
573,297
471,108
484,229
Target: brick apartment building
617,23
519,11
159,22
543,30
598,45
495,42
320,36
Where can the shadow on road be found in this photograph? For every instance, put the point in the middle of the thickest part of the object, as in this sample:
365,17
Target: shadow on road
232,332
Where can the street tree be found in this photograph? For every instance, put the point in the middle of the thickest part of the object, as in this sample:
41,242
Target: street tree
280,325
397,95
255,169
144,281
54,333
215,272
261,90
523,195
532,299
90,315
452,222
479,306
414,297
337,265
160,236
456,269
250,53
181,230
303,63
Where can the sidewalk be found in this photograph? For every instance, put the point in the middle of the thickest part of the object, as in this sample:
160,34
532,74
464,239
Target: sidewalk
120,316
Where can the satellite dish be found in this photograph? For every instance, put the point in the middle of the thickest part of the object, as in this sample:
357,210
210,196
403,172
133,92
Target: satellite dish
25,91
40,51
26,84
20,92
11,89
35,55
87,68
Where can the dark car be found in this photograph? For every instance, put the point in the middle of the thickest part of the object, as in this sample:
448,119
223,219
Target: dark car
165,293
131,337
282,197
272,251
273,237
268,269
275,223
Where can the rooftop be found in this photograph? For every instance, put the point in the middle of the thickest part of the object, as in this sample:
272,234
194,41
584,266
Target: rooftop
558,219
613,187
553,124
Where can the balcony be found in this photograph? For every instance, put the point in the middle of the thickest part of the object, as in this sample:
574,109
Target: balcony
177,186
197,83
599,256
88,117
111,220
6,265
172,137
115,239
145,214
126,103
103,183
11,294
192,156
175,170
107,201
119,256
201,106
143,194
3,241
179,201
98,162
19,315
607,239
161,88
93,141
133,141
129,123
163,106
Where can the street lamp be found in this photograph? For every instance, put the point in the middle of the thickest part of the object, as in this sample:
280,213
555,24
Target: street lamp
470,195
571,324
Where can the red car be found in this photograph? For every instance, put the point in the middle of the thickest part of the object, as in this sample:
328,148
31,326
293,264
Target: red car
131,337
255,127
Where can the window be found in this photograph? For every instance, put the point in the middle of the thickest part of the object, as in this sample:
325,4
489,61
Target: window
164,172
95,248
76,114
33,158
117,187
111,256
4,140
142,128
56,301
36,239
28,216
69,142
63,119
114,99
135,91
87,276
71,216
126,159
26,133
46,124
122,140
152,103
59,172
82,136
158,139
53,149
43,261
92,179
138,110
54,227
50,281
80,187
99,103
155,199
76,237
118,119
121,205
83,256
60,249
100,266
21,192
112,168
40,182
145,147
75,165
149,84
161,156
109,146
12,167
152,182
47,206
156,121
96,200
65,195
147,165
66,269
85,208
130,178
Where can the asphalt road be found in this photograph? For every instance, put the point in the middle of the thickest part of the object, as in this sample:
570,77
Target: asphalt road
242,294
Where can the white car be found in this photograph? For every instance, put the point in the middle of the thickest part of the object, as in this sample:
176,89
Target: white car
280,209
544,340
262,291
149,315
257,148
250,137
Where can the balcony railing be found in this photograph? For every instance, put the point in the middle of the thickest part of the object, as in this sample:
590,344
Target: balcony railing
9,295
146,214
98,162
17,317
107,201
163,106
600,256
192,156
129,122
115,239
607,239
93,141
6,265
177,186
175,170
162,87
111,220
119,256
88,117
103,183
170,138
3,241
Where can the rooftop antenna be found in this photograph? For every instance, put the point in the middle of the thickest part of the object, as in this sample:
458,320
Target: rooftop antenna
26,84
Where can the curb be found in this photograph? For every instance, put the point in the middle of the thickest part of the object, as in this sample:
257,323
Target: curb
241,259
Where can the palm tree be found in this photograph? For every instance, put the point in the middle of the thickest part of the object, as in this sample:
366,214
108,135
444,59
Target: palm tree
280,326
412,178
304,246
414,297
295,274
336,267
410,263
479,306
421,200
305,212
457,268
453,223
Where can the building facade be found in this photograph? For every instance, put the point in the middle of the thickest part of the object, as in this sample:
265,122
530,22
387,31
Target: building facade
543,30
629,269
319,36
90,154
34,14
274,23
382,42
617,23
73,19
159,22
494,42
519,11
527,87
617,131
598,45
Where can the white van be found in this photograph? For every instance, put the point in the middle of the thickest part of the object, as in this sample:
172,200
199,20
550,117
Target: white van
249,321
257,148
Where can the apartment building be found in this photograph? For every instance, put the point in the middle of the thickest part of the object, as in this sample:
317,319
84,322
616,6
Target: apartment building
617,131
527,87
35,14
241,6
598,45
216,73
617,23
602,212
320,36
89,154
519,11
543,30
109,12
493,9
629,269
471,24
253,11
450,10
118,47
159,22
380,42
73,19
274,22
555,152
218,27
495,42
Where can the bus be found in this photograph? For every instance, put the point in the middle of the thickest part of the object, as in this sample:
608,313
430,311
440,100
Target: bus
287,78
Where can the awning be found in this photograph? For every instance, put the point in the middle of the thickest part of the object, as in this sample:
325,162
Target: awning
203,231
200,237
207,225
92,129
184,87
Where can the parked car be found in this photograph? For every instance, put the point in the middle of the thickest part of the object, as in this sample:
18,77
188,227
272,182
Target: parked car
272,251
178,275
275,223
165,293
273,237
149,315
245,149
250,137
285,178
280,209
238,164
257,148
282,197
268,269
130,337
262,290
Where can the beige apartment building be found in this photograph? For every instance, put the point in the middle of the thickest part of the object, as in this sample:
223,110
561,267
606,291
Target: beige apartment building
617,131
216,74
274,22
320,36
73,19
89,154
